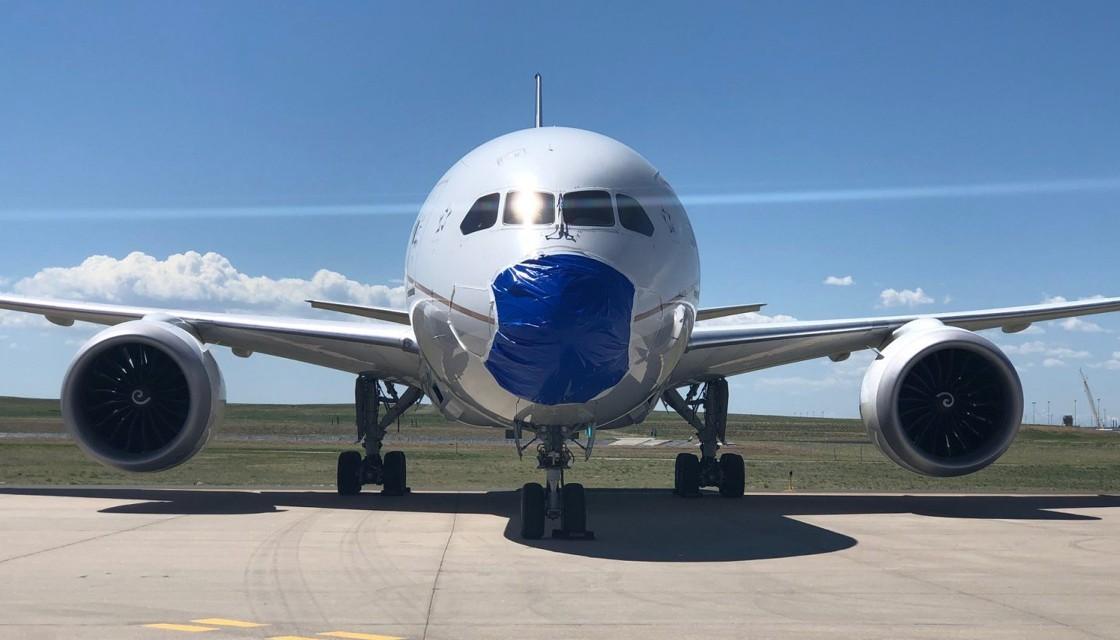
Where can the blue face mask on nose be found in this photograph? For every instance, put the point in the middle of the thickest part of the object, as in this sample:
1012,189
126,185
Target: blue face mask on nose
563,332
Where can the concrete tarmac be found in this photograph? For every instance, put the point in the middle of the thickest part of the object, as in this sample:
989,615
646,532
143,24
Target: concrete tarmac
166,564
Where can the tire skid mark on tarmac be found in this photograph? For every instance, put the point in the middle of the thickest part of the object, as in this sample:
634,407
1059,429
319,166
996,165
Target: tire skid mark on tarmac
296,555
363,581
1107,546
391,596
275,586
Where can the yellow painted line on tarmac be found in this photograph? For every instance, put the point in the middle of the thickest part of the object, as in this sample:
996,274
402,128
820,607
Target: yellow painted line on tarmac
349,635
226,622
189,628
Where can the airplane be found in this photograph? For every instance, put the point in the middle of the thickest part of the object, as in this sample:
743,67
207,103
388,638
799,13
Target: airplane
553,288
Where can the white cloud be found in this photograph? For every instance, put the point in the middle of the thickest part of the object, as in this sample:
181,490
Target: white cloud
1040,347
840,375
1027,348
947,299
1059,299
1111,363
1065,353
1084,326
904,298
13,319
1053,362
800,382
201,281
839,281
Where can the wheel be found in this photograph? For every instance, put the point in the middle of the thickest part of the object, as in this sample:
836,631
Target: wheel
573,508
349,480
733,472
532,511
680,462
688,472
394,474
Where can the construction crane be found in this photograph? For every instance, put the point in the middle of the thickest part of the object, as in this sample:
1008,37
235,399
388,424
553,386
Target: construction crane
1092,403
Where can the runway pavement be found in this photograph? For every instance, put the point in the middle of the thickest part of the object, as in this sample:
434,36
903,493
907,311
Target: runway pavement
176,564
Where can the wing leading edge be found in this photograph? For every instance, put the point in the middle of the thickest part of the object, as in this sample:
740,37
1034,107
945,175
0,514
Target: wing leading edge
387,349
712,313
731,349
396,316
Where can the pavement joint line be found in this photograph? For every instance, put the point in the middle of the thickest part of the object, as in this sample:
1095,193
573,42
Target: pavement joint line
227,622
439,570
90,539
188,628
350,635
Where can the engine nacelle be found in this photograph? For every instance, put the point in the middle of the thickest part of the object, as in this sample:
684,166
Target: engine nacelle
143,396
941,401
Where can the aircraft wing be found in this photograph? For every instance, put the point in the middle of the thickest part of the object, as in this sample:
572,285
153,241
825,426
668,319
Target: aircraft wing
387,349
720,312
377,313
725,350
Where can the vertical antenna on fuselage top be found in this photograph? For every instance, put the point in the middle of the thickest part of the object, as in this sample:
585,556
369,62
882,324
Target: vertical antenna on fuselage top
540,113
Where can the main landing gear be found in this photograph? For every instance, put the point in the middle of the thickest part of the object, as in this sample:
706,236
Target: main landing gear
556,500
391,472
728,472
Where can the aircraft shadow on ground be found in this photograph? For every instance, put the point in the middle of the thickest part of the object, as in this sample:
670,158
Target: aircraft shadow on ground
629,524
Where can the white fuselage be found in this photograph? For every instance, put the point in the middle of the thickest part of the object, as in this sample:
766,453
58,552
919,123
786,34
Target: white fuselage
527,307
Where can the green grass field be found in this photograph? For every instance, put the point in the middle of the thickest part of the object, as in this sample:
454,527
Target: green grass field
282,445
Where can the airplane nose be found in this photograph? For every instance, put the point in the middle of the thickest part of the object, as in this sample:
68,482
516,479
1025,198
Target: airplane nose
563,331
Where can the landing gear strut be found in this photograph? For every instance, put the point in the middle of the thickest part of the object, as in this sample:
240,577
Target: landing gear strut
370,396
728,472
556,500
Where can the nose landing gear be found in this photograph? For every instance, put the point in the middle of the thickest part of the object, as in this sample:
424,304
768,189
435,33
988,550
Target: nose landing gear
728,471
391,472
556,500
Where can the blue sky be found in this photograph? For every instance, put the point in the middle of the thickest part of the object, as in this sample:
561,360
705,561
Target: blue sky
969,150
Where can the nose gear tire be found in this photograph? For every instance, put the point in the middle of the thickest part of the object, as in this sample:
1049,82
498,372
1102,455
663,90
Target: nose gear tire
573,514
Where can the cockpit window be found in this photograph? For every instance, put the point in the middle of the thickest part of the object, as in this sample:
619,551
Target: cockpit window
529,207
483,214
633,216
588,209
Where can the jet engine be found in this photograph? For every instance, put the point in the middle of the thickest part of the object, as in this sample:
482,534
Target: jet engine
143,395
941,401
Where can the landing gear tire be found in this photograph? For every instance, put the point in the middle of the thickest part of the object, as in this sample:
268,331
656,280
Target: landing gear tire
573,509
532,511
349,473
687,475
733,475
680,462
395,478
